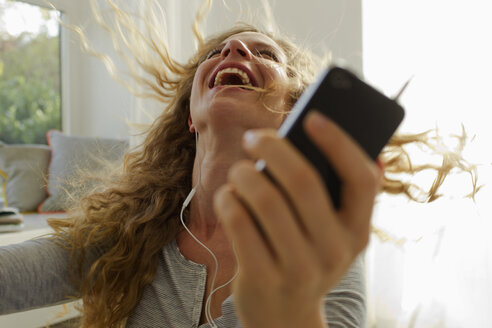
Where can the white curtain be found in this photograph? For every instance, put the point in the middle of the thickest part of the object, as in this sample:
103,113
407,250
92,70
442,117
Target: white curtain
436,270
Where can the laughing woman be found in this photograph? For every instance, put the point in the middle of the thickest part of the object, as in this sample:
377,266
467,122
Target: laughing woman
144,252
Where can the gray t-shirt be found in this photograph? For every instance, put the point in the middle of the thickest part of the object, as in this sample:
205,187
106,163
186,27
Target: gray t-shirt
34,274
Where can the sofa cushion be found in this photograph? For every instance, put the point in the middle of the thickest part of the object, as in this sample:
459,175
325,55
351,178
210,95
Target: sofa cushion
23,169
71,156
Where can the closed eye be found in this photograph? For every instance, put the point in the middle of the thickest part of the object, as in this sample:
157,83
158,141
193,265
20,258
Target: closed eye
214,52
267,54
263,53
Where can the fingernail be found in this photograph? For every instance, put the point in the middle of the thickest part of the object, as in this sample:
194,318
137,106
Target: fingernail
250,138
318,120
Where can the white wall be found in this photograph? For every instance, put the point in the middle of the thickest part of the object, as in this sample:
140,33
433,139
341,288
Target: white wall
323,26
98,104
95,105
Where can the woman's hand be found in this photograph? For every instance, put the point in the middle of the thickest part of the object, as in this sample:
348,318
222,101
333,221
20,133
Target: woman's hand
292,245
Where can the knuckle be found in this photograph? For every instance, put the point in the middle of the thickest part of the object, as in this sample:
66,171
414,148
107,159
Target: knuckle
338,256
369,179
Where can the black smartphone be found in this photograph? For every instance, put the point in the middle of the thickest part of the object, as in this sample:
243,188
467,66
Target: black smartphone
364,113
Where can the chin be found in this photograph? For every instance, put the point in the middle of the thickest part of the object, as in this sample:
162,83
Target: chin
229,112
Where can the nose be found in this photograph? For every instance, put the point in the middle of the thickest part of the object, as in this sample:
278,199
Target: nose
236,48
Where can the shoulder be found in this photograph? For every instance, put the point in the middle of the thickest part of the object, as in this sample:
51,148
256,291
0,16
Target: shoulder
345,304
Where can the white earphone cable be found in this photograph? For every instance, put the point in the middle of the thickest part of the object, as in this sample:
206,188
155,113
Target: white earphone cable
208,313
209,299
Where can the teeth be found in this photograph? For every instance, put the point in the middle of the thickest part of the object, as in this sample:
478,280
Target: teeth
244,77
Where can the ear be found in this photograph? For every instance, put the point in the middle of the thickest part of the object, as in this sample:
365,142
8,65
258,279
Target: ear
190,125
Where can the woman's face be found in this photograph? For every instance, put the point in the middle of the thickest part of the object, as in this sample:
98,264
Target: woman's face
247,58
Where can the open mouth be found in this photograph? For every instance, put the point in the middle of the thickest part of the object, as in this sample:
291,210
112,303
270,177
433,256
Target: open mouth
232,76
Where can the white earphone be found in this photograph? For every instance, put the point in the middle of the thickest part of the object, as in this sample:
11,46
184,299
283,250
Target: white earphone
187,201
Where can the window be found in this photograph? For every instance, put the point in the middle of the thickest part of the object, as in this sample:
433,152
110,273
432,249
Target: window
441,276
30,97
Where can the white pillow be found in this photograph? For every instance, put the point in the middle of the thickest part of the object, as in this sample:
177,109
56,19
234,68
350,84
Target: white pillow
69,156
23,169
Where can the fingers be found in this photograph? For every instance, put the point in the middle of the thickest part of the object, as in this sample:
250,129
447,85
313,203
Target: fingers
249,245
305,188
300,181
359,174
271,210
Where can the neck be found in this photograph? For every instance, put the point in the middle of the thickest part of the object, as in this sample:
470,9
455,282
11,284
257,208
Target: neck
214,158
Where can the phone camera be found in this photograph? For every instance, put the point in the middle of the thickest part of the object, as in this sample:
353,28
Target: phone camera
340,80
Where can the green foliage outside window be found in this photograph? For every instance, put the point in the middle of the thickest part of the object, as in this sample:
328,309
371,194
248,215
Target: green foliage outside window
29,86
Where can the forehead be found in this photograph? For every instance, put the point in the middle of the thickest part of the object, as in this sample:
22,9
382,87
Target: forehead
255,39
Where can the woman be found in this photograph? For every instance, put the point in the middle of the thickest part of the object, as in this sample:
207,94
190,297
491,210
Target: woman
296,257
